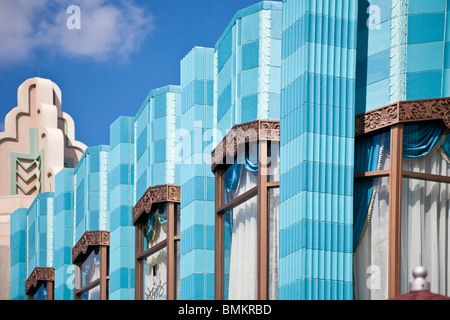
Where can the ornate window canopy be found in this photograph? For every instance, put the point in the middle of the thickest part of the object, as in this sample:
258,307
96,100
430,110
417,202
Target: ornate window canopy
246,132
156,194
38,276
89,239
402,112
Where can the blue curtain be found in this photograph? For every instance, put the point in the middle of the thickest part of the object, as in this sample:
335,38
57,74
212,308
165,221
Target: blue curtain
368,152
159,213
233,173
420,139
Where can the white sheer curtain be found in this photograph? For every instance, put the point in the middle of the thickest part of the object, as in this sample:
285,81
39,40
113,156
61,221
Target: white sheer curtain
371,257
425,223
244,243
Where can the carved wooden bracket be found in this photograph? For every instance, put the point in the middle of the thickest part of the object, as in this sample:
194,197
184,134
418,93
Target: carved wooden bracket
156,194
242,133
89,238
404,111
39,274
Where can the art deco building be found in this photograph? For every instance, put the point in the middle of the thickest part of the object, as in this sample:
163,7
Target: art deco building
38,141
305,156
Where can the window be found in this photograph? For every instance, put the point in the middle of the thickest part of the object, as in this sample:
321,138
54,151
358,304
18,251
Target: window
40,284
401,207
91,258
156,217
246,167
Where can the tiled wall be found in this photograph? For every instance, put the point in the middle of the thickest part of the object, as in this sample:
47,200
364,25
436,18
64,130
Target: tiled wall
317,148
64,237
247,67
197,180
18,274
402,52
427,70
154,150
40,232
121,200
91,211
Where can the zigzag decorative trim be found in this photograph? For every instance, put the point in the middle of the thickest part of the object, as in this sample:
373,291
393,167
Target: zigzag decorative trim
26,181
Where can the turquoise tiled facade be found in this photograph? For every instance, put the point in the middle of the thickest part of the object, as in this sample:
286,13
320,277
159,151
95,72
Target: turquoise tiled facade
313,65
402,52
120,200
32,241
317,147
91,211
248,67
155,136
39,237
64,236
18,254
197,180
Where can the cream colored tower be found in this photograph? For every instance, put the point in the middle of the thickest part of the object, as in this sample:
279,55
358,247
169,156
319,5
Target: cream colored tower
38,141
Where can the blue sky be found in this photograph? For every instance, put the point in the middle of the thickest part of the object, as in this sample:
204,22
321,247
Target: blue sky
105,69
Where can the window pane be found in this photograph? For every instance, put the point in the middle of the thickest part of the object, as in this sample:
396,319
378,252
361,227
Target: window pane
273,242
242,175
425,241
177,219
371,256
241,235
41,293
274,162
155,230
91,268
177,269
155,276
93,294
372,152
434,162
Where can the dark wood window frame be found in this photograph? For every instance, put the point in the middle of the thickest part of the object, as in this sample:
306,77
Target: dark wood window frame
156,195
89,241
38,277
261,132
392,118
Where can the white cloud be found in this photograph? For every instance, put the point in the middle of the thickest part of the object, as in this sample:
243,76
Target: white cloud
108,29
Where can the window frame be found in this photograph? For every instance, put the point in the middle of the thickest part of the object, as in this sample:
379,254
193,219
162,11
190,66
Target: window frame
90,241
392,118
168,195
263,132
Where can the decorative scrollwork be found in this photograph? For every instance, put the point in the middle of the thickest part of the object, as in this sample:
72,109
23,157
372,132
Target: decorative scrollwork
403,111
156,194
39,274
89,238
242,133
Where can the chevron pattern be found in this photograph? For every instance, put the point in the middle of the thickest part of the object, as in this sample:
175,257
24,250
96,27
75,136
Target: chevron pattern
28,176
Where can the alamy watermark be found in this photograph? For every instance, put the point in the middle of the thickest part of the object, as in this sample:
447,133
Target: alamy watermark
74,20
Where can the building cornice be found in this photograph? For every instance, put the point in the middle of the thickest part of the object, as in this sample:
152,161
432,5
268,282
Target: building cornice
246,132
403,112
156,194
39,274
89,239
